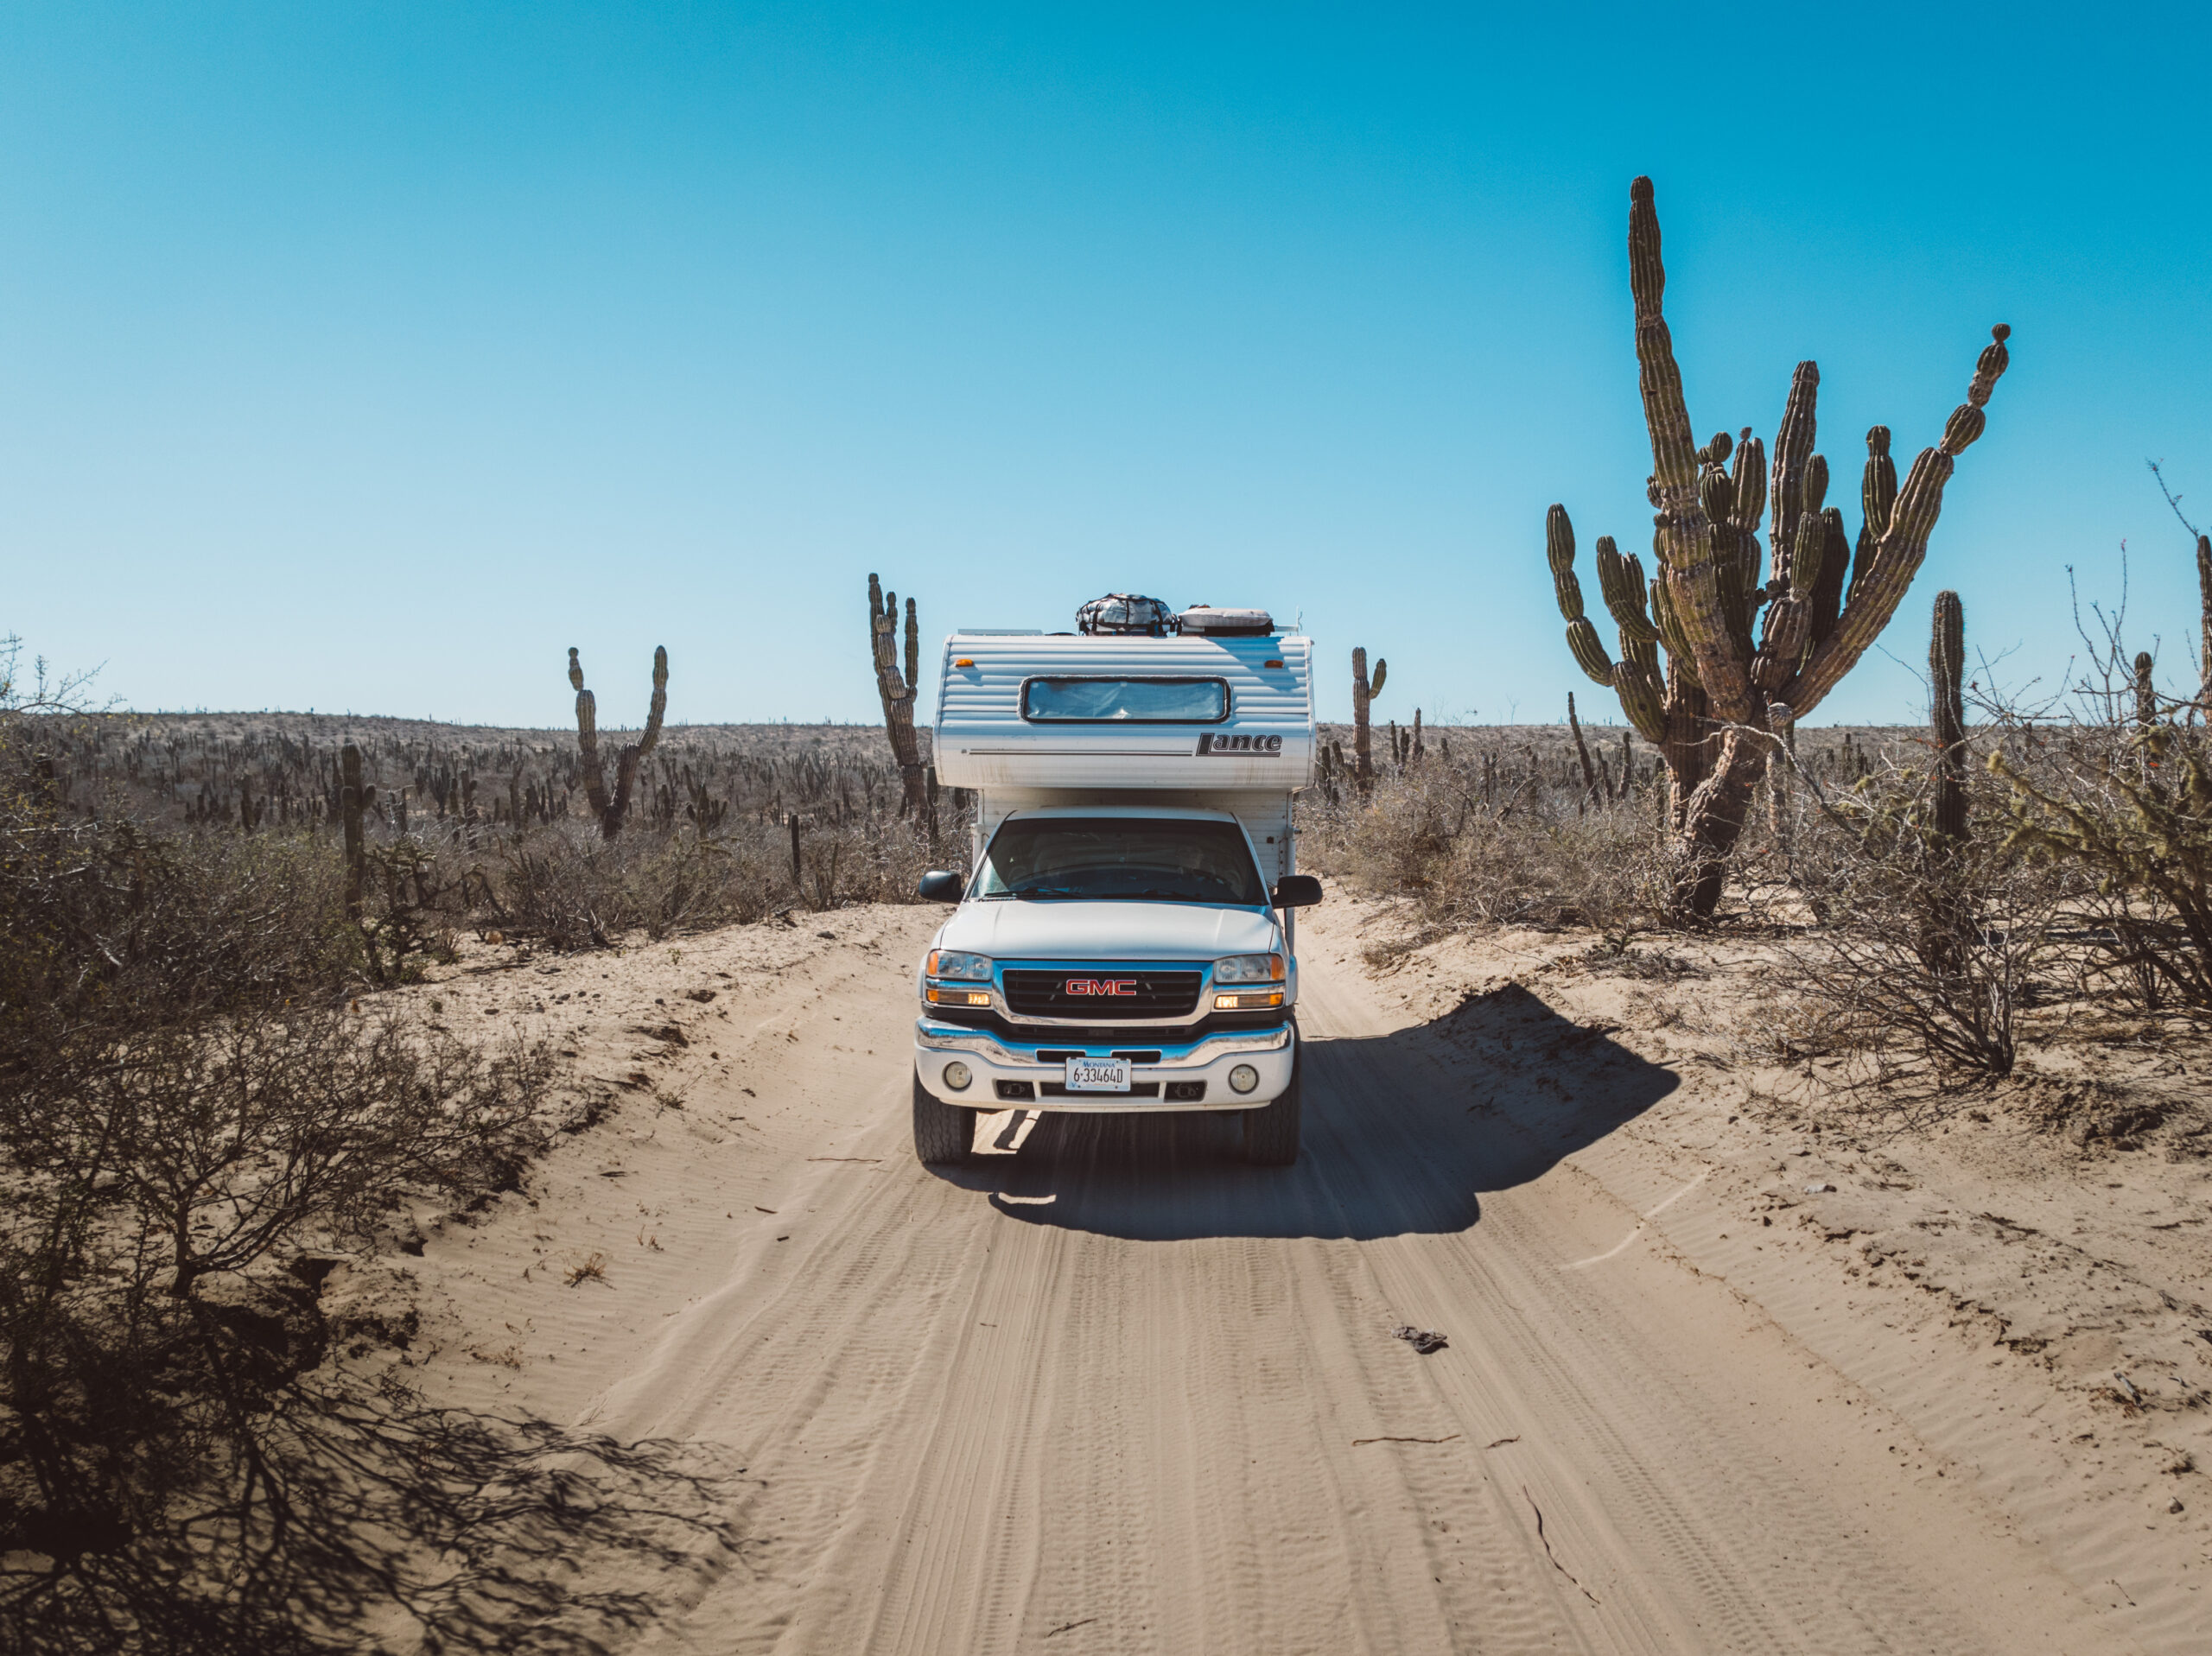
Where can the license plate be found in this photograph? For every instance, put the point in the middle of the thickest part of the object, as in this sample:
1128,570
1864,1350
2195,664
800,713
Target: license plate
1098,1075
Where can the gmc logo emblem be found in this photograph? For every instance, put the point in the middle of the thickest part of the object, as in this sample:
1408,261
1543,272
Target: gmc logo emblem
1100,987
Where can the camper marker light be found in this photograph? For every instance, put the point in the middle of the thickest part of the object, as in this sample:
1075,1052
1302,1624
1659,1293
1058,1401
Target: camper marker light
950,963
1243,1078
969,660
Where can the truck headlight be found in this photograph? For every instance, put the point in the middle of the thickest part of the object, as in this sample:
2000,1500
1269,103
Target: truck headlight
1249,969
950,963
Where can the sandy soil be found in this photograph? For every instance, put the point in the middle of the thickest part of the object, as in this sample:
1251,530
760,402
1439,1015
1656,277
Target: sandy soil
1111,1391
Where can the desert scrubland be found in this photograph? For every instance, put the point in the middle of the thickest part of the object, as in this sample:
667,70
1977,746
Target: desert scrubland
1768,1327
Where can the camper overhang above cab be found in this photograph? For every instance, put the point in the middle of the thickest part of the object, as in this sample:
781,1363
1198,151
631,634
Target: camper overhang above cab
1192,712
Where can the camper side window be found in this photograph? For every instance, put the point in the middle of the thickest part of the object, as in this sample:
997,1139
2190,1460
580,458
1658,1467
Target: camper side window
1125,700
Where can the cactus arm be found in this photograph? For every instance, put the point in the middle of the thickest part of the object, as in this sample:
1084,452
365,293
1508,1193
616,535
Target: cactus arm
1621,580
1641,699
1674,452
1581,637
1381,672
913,648
1680,538
587,738
1793,462
1807,552
1559,553
1903,543
1825,593
1750,479
1877,499
1669,628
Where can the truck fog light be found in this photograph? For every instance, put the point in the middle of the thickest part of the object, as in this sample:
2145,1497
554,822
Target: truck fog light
1243,1078
957,1076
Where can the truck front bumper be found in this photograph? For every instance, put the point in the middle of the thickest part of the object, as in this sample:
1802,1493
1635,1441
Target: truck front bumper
1008,1073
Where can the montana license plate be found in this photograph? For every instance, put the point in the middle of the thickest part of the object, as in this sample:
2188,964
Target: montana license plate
1098,1075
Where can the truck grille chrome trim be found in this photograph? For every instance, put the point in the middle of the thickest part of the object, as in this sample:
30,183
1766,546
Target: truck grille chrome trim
941,1037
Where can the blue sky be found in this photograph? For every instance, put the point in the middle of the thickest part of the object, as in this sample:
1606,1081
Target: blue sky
367,356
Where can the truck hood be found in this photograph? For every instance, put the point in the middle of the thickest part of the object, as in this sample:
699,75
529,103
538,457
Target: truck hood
1011,931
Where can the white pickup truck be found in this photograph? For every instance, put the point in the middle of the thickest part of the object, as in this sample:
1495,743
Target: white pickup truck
1124,938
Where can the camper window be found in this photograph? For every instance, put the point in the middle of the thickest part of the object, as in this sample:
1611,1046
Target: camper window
1125,700
1156,859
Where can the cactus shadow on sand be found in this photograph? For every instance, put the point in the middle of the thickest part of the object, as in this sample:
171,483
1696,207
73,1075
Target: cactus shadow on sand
1404,1133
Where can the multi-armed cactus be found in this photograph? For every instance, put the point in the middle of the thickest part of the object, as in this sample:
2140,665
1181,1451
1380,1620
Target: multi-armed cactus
1734,679
898,693
1947,649
1364,688
610,810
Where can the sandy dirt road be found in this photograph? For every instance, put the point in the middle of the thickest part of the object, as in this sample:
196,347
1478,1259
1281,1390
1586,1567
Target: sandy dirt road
1113,1391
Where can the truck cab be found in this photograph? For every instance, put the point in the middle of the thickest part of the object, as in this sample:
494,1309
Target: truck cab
1124,936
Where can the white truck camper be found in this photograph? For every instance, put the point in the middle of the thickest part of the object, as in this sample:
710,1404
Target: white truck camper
1124,937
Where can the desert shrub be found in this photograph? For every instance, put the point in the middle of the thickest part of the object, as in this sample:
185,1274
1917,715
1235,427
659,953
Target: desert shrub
194,1114
1473,848
571,888
1928,949
2129,806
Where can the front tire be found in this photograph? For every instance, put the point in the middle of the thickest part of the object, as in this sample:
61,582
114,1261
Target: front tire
1271,1130
943,1133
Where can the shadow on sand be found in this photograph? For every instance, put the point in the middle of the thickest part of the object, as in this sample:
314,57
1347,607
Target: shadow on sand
1403,1132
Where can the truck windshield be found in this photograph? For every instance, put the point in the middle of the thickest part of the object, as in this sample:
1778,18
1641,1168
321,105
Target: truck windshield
1138,858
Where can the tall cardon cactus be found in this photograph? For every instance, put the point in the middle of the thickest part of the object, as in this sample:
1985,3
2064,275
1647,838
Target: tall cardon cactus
898,693
1746,658
1364,688
611,809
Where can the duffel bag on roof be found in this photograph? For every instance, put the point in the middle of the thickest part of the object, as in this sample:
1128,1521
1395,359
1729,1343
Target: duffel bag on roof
1126,612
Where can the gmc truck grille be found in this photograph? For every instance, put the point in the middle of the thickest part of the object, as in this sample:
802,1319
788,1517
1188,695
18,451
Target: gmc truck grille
1097,993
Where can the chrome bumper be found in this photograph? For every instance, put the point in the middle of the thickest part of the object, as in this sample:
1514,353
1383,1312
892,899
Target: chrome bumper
992,1058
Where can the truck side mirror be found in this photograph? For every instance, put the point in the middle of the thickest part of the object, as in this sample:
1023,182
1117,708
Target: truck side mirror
1297,891
939,886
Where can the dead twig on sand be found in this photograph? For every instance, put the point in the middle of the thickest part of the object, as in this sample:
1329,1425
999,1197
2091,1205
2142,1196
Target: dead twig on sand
1453,1438
1502,1441
1548,1553
1070,1627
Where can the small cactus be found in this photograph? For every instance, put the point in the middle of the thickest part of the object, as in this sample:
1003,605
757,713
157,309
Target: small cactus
2204,626
349,807
1946,669
898,693
1364,688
